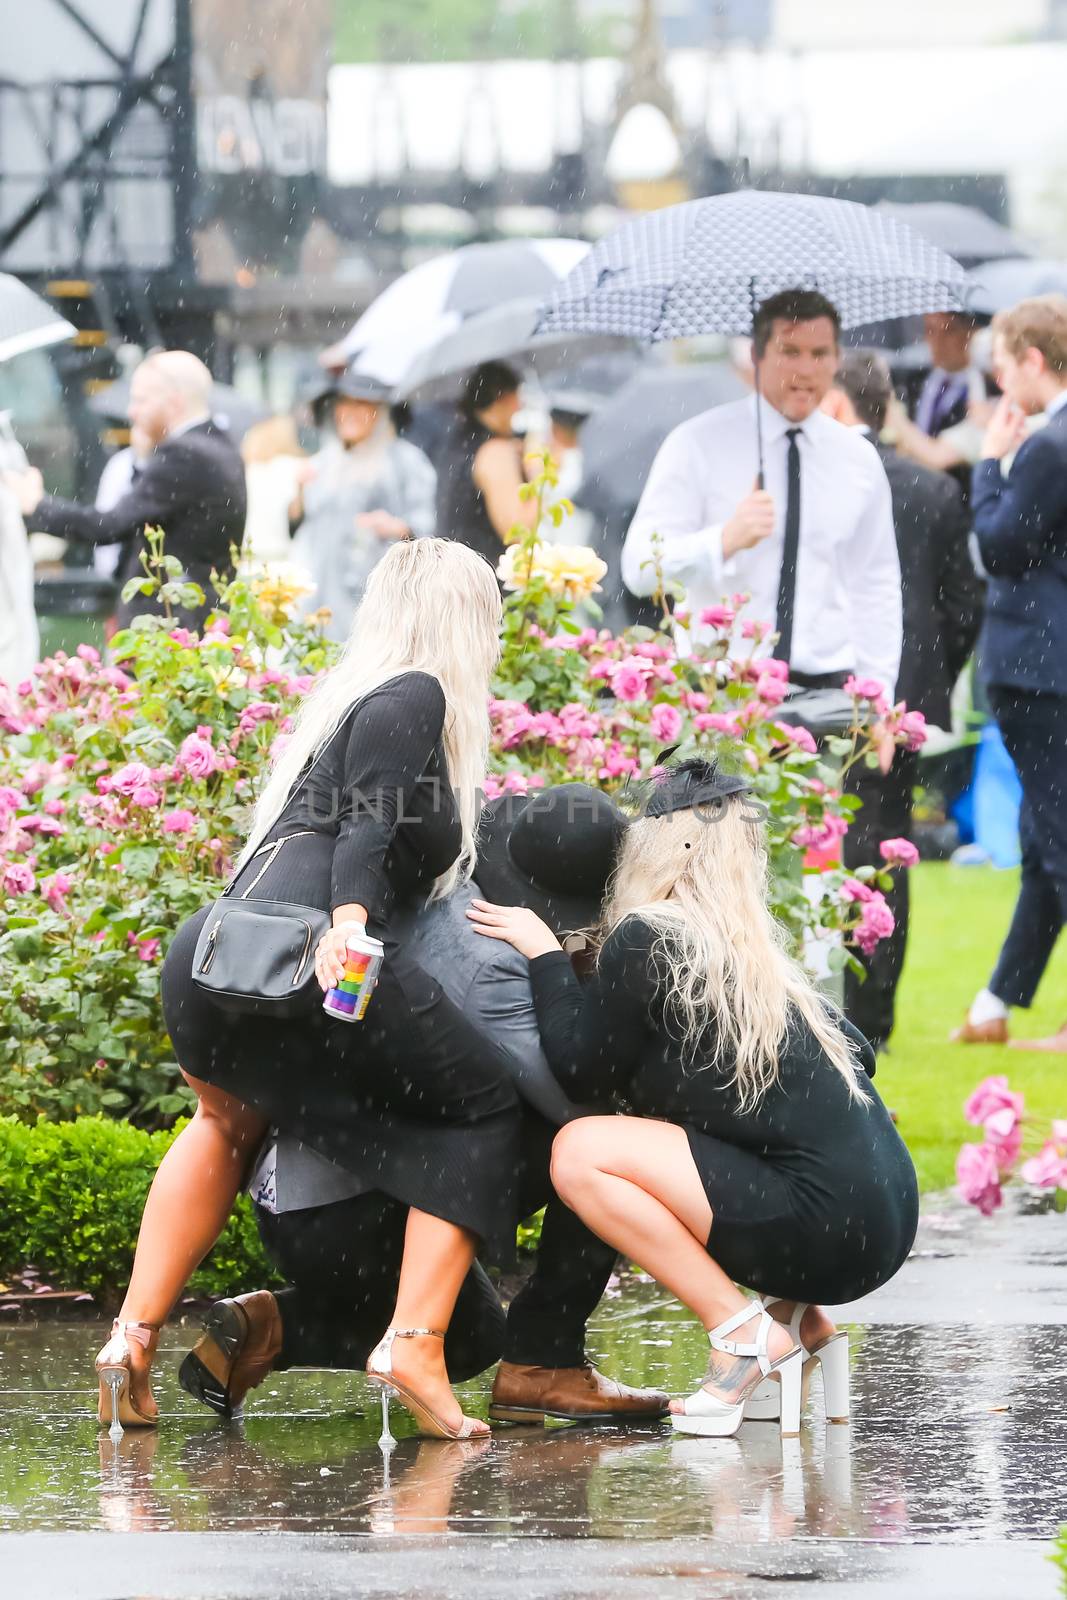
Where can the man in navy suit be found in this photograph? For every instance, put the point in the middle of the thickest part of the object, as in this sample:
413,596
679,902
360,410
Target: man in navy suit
1021,525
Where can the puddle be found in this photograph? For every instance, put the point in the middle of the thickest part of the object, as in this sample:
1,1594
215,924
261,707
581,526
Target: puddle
953,1439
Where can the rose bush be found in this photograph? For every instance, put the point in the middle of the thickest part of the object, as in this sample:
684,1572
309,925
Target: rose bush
125,786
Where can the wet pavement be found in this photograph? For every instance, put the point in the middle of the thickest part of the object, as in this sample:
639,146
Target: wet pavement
952,1478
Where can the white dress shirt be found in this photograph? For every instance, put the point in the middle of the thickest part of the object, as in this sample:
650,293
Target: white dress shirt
847,612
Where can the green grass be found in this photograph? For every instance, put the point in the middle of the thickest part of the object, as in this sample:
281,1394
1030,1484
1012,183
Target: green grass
958,919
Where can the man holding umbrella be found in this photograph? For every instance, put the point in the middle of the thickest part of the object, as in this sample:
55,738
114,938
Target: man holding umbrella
810,538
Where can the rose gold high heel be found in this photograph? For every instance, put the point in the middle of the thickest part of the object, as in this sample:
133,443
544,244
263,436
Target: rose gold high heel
380,1371
114,1370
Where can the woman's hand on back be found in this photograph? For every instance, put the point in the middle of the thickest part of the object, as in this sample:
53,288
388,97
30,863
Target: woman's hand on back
515,925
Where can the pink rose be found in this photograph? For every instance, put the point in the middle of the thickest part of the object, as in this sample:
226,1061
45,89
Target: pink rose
88,653
665,723
55,890
913,727
617,764
992,1095
978,1178
854,889
755,630
196,756
798,736
720,617
771,689
864,688
134,775
179,822
1004,1135
182,637
1048,1169
718,722
695,701
876,923
147,949
901,851
577,721
146,797
18,878
629,677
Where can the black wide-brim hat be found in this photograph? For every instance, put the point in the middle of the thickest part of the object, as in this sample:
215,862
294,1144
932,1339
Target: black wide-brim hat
552,851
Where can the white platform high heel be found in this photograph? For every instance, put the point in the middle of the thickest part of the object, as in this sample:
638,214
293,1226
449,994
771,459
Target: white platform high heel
831,1354
709,1416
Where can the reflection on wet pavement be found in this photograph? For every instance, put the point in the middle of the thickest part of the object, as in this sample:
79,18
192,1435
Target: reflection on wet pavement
953,1439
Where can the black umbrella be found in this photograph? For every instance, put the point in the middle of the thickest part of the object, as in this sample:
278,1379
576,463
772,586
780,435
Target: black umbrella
705,266
965,232
620,440
1000,284
229,408
503,333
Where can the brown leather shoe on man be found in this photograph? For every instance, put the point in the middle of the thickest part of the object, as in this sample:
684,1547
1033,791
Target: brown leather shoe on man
573,1394
995,1031
241,1342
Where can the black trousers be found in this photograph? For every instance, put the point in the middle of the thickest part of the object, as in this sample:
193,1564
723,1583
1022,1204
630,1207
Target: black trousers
886,814
1034,728
342,1264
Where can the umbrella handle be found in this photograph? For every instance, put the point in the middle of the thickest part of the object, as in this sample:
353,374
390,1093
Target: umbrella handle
760,482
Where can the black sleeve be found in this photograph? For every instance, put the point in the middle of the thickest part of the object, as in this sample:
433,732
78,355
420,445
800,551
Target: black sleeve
166,484
595,1037
392,738
959,589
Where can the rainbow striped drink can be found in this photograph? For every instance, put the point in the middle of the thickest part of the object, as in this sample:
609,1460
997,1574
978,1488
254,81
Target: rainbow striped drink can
349,1001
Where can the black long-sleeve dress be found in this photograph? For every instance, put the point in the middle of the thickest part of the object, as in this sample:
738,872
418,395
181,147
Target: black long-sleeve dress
414,1100
813,1193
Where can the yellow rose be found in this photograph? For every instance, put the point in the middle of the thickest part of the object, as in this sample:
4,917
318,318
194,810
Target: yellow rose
570,571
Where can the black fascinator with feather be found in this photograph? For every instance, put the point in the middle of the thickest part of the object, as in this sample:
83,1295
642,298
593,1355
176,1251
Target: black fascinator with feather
686,786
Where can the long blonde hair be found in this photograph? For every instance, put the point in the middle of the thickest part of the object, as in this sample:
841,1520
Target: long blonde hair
702,885
430,605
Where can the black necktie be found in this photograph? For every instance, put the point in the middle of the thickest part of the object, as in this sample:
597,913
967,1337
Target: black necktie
787,578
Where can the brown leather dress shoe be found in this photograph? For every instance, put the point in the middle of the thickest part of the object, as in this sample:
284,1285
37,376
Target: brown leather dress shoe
573,1394
995,1031
241,1342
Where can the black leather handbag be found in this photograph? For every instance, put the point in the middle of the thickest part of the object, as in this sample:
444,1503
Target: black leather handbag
258,956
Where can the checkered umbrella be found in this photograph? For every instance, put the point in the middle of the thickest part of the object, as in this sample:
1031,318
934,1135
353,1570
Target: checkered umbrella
705,266
26,321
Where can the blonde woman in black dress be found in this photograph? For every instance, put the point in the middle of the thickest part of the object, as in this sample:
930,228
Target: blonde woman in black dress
753,1147
413,1100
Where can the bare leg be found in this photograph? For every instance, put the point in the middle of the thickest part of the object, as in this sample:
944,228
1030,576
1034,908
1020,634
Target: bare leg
190,1200
634,1183
815,1325
437,1257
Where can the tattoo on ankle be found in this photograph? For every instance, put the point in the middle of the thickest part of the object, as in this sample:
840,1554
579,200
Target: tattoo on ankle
726,1374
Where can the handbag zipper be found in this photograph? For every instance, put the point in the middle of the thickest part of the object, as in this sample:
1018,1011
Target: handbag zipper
273,848
304,957
209,954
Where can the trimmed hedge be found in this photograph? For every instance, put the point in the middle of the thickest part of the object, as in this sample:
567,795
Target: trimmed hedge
71,1197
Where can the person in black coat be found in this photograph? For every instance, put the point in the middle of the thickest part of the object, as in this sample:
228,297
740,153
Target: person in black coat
192,486
942,609
1020,521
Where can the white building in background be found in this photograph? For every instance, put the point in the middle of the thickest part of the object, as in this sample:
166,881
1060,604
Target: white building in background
957,108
